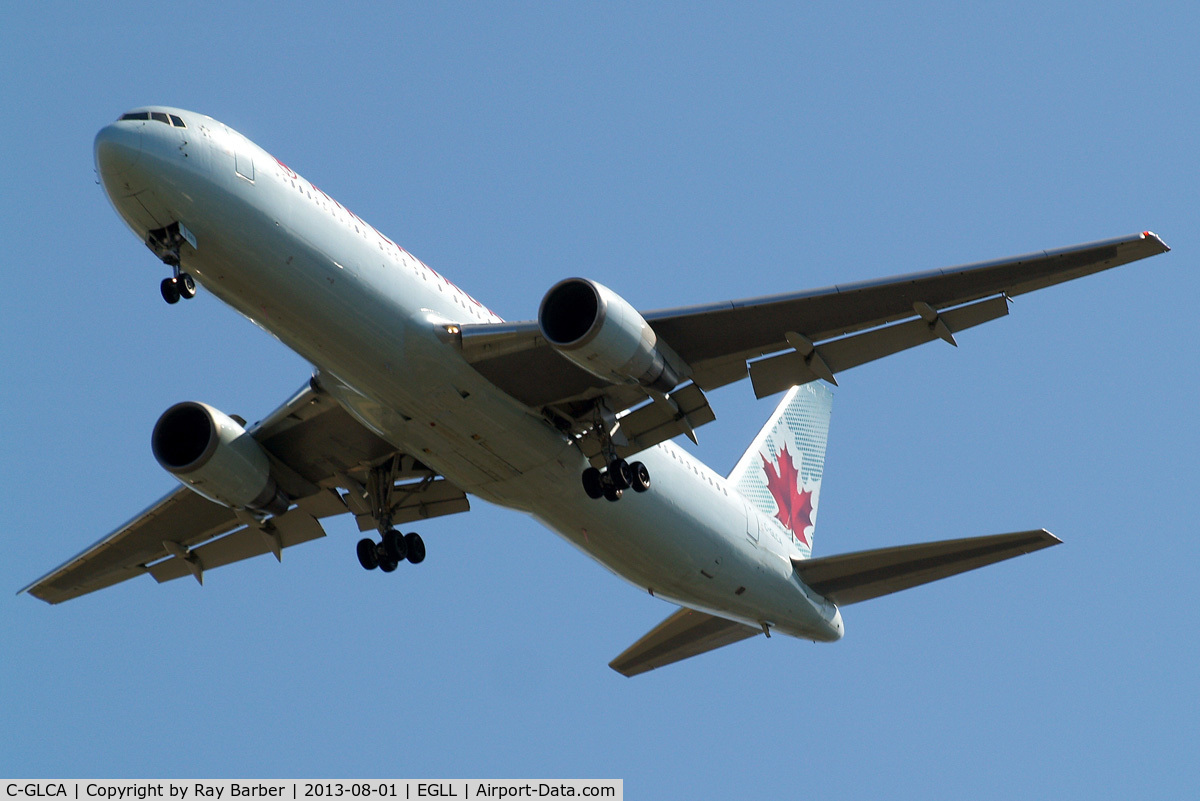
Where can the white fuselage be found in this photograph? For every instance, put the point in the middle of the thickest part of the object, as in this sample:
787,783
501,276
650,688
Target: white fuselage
368,315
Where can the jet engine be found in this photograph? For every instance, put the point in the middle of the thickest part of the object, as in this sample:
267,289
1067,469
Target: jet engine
598,330
213,455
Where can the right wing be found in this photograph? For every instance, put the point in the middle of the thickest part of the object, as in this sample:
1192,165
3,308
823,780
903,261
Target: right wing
804,336
316,449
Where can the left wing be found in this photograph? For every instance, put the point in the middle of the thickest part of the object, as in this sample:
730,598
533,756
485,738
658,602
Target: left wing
804,336
316,449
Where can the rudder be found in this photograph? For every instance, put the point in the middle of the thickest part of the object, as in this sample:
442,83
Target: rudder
780,473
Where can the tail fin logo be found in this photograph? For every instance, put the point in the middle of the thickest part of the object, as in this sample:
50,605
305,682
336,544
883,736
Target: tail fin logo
794,503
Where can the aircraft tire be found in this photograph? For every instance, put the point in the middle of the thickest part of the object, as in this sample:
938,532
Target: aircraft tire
640,477
187,286
368,557
415,547
395,548
169,290
612,493
619,474
593,485
388,566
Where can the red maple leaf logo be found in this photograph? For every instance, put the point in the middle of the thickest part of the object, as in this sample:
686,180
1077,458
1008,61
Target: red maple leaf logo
793,501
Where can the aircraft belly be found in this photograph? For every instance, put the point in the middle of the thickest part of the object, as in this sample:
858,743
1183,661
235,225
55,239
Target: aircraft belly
367,320
683,540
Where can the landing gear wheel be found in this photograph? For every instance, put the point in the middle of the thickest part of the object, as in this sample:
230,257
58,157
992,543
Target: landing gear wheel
186,285
170,290
367,555
593,484
619,474
395,546
640,477
416,547
612,493
388,566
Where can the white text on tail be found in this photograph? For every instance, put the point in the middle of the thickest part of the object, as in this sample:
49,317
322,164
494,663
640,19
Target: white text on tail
780,473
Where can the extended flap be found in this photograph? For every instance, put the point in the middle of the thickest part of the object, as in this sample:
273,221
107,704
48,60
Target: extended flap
420,500
284,531
777,373
681,412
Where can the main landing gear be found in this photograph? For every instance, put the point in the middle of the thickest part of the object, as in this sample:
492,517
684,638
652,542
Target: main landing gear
619,474
612,483
392,549
165,243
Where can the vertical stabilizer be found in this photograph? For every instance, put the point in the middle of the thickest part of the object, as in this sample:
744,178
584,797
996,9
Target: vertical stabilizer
780,474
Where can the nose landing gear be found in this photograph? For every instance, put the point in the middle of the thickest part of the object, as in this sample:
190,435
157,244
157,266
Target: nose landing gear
181,286
165,243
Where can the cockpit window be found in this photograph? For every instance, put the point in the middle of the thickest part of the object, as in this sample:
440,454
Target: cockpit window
158,116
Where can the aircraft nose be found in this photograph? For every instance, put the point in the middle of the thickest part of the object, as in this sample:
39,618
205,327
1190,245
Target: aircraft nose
118,147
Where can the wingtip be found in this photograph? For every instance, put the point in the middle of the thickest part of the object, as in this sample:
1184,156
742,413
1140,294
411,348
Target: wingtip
1158,239
1052,540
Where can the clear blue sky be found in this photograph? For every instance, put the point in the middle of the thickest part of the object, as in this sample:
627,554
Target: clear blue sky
680,154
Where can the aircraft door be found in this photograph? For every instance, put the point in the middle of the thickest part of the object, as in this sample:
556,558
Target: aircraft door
243,163
752,523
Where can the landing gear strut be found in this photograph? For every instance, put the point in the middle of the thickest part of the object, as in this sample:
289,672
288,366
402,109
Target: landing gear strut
165,243
619,475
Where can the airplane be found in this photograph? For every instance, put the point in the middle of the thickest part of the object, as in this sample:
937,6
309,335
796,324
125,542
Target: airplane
421,397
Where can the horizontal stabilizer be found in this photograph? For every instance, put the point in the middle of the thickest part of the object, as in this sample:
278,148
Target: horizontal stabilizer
853,577
685,633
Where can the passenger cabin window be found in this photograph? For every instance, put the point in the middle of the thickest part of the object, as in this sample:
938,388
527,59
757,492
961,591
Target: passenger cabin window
170,119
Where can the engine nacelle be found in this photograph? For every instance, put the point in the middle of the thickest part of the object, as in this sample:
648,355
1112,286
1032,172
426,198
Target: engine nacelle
213,455
598,330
